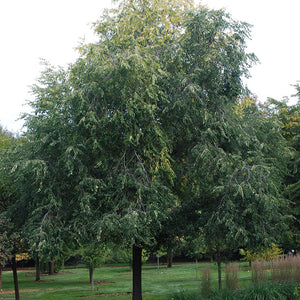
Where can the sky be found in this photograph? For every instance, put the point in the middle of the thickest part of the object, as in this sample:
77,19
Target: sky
51,29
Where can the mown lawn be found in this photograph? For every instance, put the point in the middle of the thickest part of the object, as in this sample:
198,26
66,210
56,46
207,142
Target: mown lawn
112,282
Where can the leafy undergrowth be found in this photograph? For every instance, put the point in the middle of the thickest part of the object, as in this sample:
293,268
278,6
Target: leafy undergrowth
263,291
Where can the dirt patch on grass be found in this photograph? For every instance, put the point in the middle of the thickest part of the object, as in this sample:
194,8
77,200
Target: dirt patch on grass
32,274
112,295
21,291
108,295
104,282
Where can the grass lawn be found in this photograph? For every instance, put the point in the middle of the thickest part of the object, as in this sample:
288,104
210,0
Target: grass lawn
113,282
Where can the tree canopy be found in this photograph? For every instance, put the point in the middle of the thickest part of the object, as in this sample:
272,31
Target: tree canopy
151,128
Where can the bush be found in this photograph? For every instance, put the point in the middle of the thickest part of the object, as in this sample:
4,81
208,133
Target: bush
265,254
186,296
262,291
267,291
297,292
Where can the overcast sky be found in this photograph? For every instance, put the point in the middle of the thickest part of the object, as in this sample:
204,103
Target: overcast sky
51,29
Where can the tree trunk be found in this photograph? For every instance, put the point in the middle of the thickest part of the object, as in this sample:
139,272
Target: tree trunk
14,269
219,268
91,270
37,269
0,278
51,267
196,269
170,258
157,258
137,273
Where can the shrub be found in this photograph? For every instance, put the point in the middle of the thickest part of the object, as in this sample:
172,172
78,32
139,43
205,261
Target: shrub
297,292
265,254
267,291
261,291
186,296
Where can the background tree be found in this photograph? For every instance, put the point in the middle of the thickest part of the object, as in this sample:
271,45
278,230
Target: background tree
5,247
93,255
226,157
289,118
245,185
46,181
13,212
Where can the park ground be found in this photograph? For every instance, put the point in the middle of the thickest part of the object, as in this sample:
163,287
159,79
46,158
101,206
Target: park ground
115,282
112,282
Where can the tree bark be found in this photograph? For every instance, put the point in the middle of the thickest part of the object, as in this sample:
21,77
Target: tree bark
91,270
51,267
157,258
170,258
219,268
37,269
137,273
14,269
196,269
0,278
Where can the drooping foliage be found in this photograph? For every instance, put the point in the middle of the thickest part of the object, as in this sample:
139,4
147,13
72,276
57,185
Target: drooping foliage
149,129
13,211
288,117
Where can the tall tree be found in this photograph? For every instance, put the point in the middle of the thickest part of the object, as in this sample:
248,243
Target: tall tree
119,164
122,106
155,97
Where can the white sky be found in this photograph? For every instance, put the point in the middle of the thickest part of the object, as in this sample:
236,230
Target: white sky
51,29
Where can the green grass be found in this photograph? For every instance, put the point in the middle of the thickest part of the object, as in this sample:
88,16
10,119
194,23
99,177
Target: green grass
74,283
